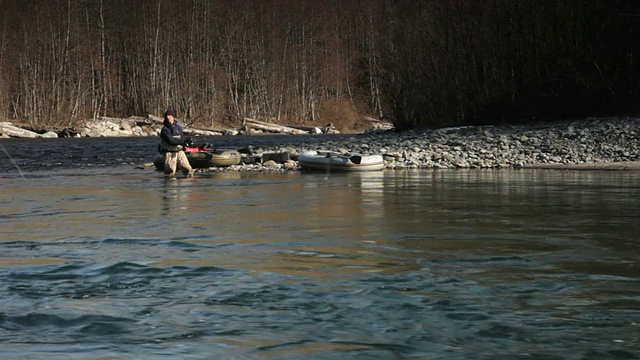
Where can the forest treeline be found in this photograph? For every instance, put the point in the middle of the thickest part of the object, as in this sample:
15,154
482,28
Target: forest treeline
415,62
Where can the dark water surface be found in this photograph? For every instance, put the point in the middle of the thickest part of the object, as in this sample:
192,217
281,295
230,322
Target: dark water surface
100,260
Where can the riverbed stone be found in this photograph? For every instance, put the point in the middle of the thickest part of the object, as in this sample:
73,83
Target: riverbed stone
271,164
278,157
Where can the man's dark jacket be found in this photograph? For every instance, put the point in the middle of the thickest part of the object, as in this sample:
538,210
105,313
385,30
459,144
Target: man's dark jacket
172,138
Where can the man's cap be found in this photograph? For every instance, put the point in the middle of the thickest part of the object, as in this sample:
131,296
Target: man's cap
170,111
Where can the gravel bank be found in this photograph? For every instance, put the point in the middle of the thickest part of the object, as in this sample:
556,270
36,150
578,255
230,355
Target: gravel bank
603,143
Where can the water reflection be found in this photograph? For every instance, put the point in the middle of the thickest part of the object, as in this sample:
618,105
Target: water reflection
175,199
391,264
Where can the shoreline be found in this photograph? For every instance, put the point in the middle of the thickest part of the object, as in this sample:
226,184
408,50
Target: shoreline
584,144
615,166
588,144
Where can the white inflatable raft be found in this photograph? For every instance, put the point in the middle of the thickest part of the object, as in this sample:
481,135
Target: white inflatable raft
333,161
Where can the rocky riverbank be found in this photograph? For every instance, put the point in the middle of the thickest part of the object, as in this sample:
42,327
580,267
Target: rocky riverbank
151,126
604,143
596,143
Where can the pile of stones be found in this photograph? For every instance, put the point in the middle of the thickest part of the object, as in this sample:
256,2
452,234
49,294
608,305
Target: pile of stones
117,128
601,140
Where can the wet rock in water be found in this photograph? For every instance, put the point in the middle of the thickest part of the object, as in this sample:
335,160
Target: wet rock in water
278,157
271,164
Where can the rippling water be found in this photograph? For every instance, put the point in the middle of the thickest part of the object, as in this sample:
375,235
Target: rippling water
101,260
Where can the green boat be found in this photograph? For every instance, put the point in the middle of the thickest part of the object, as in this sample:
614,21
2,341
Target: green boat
200,158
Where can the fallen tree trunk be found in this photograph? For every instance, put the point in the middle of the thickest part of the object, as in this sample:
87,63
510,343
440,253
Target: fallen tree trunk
193,131
214,129
154,118
259,125
308,129
190,131
14,131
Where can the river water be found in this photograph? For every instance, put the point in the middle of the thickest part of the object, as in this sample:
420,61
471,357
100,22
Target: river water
101,259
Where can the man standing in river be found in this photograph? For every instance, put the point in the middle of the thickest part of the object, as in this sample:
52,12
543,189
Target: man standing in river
172,145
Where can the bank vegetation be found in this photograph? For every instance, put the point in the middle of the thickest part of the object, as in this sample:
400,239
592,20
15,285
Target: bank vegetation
418,63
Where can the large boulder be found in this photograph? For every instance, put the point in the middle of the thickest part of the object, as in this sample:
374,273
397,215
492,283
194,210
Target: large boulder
50,134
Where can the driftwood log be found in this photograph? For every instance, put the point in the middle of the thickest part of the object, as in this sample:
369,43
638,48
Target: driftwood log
14,131
308,129
8,129
154,118
193,131
260,125
189,131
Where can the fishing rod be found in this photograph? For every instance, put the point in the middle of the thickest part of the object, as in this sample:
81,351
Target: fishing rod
12,160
